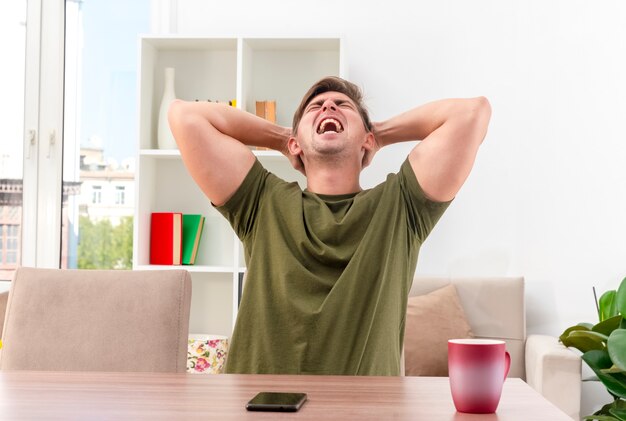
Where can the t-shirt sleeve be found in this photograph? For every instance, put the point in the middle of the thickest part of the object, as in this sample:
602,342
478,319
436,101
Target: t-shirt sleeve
423,213
242,208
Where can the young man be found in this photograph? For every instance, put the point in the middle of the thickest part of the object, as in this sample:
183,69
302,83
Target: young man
330,267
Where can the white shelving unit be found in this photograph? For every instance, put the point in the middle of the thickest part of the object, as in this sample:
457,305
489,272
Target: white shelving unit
222,69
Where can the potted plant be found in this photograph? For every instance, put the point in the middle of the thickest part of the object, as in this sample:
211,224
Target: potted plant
604,350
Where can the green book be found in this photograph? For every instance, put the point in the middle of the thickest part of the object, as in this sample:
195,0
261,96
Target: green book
192,231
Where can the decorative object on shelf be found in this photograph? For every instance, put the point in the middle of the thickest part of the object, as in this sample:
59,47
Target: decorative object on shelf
604,350
206,354
231,102
164,137
266,110
166,235
192,231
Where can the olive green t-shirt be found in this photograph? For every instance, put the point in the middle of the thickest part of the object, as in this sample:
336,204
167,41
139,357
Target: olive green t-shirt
327,276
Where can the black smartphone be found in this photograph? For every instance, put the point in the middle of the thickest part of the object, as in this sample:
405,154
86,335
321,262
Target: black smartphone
276,401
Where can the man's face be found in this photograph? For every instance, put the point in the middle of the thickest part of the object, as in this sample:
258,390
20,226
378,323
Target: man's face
331,125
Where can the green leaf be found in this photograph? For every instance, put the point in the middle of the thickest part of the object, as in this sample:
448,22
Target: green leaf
607,305
597,336
618,409
584,340
600,418
607,326
620,298
599,360
579,326
606,408
613,370
619,413
616,346
583,344
605,411
571,329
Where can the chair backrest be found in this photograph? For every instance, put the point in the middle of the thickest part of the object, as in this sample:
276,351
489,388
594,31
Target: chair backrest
4,297
494,308
97,320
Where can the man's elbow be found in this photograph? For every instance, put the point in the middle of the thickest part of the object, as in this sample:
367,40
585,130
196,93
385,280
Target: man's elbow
481,108
478,117
183,119
176,111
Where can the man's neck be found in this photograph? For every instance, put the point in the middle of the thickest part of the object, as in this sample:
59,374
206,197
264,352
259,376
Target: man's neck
332,179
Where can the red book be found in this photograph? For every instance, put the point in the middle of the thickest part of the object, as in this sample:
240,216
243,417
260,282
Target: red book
166,238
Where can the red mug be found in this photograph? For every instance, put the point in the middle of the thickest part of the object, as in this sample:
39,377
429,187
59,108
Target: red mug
477,370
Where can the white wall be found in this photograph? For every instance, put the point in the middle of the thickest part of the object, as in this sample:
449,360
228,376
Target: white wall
546,197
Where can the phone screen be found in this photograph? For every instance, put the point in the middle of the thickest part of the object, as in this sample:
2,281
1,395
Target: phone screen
276,401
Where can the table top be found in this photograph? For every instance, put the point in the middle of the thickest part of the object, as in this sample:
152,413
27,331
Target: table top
85,396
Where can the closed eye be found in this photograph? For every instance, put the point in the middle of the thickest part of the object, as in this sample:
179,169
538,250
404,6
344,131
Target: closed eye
313,107
344,103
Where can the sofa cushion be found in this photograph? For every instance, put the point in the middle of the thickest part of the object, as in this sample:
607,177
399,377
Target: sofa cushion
431,320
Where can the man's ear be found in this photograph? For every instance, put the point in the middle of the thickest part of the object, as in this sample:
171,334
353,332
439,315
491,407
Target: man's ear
293,146
369,148
296,154
370,141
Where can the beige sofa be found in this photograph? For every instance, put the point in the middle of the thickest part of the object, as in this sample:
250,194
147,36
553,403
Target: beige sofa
495,309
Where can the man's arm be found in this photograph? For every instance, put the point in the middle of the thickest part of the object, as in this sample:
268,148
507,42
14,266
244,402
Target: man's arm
451,131
212,139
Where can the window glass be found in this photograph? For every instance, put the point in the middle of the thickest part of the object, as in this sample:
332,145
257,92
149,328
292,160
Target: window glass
100,121
96,196
119,195
12,73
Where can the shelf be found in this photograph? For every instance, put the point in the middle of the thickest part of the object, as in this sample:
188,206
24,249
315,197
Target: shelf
160,153
175,153
269,154
218,69
189,268
181,43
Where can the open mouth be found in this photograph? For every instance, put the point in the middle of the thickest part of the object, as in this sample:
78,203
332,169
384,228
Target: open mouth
329,125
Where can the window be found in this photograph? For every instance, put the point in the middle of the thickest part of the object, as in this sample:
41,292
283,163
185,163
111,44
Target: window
96,195
119,195
68,111
12,248
9,245
12,83
99,129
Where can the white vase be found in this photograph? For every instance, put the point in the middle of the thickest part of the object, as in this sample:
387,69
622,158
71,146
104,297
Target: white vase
165,139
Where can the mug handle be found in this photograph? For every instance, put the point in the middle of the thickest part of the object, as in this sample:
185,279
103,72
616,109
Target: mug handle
507,363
